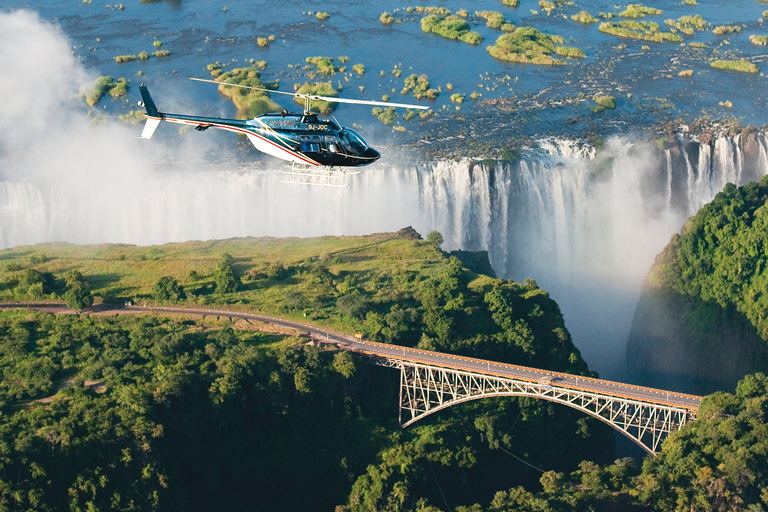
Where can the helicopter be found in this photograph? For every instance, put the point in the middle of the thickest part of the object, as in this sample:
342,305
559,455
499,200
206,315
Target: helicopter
318,149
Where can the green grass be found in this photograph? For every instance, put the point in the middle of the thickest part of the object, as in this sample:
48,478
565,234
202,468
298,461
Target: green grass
116,272
735,65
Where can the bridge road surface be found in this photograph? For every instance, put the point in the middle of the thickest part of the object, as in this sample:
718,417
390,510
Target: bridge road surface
352,344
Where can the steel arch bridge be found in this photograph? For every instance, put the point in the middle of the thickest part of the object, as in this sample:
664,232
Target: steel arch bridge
429,388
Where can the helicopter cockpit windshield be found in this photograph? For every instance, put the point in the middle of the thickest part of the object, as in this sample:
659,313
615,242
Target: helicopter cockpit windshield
352,142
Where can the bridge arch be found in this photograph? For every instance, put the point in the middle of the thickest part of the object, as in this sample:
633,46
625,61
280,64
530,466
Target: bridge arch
426,389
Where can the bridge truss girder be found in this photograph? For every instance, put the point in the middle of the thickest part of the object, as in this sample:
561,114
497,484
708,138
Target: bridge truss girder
426,389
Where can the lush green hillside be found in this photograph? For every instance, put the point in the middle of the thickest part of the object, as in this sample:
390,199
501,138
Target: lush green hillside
177,414
702,315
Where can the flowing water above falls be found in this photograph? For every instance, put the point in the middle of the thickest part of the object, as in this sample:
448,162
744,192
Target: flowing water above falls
585,224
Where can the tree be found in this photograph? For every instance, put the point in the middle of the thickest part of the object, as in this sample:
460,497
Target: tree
435,238
78,293
168,289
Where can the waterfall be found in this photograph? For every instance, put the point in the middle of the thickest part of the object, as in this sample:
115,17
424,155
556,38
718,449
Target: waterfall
585,224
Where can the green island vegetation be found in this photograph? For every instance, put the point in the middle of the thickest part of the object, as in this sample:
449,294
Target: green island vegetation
324,65
386,115
457,98
419,86
386,18
421,9
603,102
758,40
249,102
161,53
639,11
157,44
132,117
359,69
511,3
690,2
451,27
685,73
584,17
696,44
765,14
688,24
122,59
107,85
529,45
322,16
320,89
495,19
547,6
736,65
644,30
723,30
151,412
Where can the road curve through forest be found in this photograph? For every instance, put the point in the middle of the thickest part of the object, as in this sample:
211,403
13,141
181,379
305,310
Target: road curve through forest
352,344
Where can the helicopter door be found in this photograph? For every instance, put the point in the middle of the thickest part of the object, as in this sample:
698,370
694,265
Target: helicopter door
353,143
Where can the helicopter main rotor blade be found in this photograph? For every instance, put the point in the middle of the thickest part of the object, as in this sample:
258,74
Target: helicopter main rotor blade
243,86
362,102
314,97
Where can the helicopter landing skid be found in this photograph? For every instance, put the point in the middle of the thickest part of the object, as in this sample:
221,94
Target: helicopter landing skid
303,174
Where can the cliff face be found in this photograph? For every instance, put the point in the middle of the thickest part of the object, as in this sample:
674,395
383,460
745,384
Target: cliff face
700,324
681,343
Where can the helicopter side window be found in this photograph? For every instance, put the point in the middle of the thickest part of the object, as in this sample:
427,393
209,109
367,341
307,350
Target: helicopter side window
310,145
353,142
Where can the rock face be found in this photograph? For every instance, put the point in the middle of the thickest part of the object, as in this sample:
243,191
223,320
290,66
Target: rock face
683,344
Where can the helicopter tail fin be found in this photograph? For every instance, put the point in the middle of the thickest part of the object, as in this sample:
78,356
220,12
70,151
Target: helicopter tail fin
153,115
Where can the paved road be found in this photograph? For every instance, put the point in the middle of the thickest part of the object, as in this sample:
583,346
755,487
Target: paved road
350,343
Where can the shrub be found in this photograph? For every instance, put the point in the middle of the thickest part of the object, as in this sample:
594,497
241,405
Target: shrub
725,30
262,42
323,64
584,17
157,44
386,116
451,27
121,59
162,53
249,102
322,16
143,56
386,18
103,84
569,52
685,72
320,89
419,84
546,6
527,45
359,69
639,11
457,98
644,30
168,289
511,3
492,18
758,40
119,89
